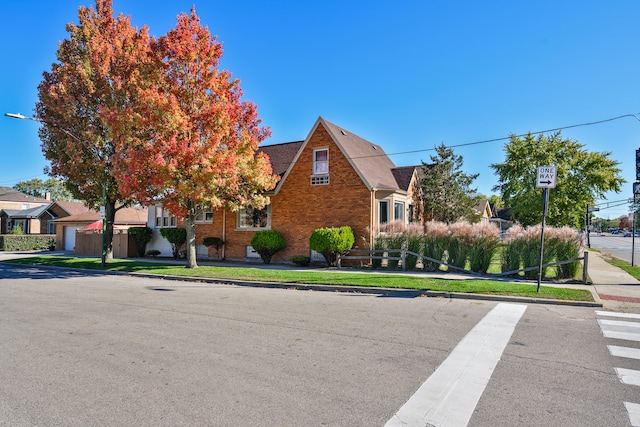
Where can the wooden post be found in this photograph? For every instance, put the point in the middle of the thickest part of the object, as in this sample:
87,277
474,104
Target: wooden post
585,267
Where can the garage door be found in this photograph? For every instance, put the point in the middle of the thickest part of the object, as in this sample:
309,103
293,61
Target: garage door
70,237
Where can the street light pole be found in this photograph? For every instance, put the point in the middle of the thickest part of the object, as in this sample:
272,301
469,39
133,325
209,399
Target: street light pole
104,185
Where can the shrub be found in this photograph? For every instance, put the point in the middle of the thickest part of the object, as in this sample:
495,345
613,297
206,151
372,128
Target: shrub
414,244
485,239
142,236
17,230
566,244
458,243
301,260
394,238
331,242
267,243
27,242
177,237
153,252
436,235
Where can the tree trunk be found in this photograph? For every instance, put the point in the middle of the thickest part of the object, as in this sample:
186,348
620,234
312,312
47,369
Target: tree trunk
191,235
109,219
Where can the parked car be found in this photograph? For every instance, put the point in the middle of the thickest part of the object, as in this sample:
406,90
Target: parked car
627,233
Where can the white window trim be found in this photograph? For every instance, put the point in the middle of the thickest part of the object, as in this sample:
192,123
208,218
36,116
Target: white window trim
404,213
164,221
325,170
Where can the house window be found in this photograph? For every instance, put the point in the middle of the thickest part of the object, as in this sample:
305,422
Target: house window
398,211
320,174
205,217
383,212
251,218
164,218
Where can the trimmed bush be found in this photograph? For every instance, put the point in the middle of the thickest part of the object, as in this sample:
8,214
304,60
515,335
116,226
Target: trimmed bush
301,260
142,236
153,252
177,237
267,243
331,242
27,242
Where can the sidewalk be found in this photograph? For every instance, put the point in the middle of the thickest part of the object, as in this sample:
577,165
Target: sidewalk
617,289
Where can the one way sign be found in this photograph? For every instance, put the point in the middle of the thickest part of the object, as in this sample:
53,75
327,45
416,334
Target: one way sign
546,177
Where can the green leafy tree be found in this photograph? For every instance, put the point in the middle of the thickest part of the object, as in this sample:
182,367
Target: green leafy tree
447,195
39,188
581,178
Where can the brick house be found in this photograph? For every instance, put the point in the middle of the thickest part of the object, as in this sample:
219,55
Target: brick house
332,178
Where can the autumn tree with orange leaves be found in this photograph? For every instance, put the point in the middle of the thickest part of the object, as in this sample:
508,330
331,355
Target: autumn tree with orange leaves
101,54
195,140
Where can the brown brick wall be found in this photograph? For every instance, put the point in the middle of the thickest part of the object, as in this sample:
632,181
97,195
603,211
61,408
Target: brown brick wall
299,207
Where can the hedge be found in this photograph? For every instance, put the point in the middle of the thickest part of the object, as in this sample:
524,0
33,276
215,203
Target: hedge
27,242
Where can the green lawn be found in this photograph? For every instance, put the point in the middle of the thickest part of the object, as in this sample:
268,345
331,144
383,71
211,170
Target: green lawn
328,277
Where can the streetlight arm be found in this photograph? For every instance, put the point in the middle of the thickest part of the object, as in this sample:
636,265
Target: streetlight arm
20,116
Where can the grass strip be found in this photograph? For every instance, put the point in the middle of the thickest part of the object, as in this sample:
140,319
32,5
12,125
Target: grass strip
329,277
624,265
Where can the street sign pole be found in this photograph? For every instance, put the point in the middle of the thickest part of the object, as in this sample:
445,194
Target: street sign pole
545,205
546,179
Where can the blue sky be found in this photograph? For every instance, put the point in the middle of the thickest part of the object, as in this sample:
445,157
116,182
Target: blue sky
406,75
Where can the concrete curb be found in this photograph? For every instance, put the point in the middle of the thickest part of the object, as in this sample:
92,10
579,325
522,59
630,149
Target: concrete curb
382,292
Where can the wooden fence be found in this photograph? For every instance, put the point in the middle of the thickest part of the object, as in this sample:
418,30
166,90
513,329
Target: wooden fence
89,243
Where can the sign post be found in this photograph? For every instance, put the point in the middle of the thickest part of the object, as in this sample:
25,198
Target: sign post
546,179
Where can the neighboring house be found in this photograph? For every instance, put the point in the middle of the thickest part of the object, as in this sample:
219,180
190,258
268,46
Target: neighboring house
502,218
66,228
332,178
11,201
39,219
483,212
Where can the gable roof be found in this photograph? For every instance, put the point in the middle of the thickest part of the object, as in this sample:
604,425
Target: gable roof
403,176
26,213
72,208
371,163
8,194
125,216
369,160
281,155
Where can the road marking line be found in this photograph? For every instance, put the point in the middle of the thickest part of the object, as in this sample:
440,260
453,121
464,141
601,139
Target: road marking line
620,325
628,352
633,409
628,376
451,393
616,314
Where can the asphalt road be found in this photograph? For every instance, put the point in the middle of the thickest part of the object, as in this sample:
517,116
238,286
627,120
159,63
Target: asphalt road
616,245
82,349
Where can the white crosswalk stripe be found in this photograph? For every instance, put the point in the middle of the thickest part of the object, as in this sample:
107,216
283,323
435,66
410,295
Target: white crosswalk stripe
628,330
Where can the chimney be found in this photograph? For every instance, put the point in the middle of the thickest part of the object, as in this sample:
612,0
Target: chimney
47,195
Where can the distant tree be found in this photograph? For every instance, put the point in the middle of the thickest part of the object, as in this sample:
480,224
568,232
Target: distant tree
446,190
101,56
581,178
38,188
625,223
196,141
